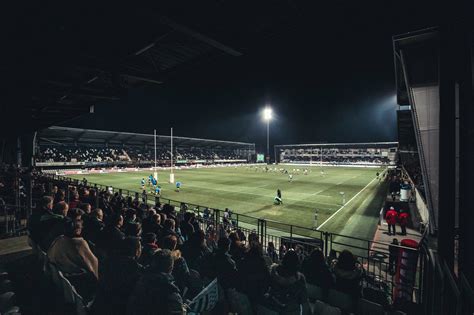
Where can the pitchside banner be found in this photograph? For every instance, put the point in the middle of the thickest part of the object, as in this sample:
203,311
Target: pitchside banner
405,276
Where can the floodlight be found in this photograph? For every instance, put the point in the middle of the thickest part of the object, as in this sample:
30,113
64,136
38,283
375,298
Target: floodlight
267,114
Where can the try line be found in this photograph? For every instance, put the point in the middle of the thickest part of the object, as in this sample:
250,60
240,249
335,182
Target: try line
332,215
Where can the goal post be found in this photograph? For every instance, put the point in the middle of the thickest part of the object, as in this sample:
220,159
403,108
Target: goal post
171,158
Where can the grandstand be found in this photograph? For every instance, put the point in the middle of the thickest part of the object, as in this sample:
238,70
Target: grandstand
374,154
69,148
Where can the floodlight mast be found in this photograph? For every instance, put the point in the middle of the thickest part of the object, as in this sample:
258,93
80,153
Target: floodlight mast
267,116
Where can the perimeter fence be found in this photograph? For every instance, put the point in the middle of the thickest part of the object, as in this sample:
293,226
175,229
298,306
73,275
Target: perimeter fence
404,276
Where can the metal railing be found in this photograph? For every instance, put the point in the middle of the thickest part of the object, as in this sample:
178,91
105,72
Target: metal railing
13,219
373,256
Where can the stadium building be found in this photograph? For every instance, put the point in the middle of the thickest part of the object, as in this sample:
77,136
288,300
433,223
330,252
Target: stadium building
97,221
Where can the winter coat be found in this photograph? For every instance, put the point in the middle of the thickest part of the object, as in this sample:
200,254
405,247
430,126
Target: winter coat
391,217
156,293
73,256
403,218
349,281
287,292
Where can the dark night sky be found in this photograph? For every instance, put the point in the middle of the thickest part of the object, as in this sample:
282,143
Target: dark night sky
329,79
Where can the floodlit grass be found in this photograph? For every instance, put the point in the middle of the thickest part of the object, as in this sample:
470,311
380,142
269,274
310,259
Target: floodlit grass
247,191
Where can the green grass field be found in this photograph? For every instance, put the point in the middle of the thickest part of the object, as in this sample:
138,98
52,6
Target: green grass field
251,192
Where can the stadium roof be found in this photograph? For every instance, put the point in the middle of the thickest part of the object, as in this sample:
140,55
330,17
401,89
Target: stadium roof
358,144
66,135
422,48
82,55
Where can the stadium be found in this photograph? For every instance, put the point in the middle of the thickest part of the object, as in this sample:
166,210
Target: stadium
153,173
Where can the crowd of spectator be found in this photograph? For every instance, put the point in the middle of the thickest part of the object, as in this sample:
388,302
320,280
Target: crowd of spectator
338,155
129,257
338,160
78,154
131,154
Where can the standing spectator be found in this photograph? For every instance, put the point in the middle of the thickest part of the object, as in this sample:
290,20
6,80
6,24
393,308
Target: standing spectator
155,292
403,219
393,258
391,218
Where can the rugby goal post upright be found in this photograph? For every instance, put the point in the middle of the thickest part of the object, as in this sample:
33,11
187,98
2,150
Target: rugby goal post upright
321,159
155,171
171,159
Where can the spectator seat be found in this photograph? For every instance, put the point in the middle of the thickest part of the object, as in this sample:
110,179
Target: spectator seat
341,300
6,301
321,308
366,307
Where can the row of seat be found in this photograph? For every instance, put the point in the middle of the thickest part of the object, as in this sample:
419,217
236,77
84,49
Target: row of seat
338,302
7,295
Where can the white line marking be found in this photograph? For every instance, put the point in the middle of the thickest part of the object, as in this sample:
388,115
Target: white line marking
332,215
261,195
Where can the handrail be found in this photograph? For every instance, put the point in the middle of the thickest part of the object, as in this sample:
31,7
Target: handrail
290,227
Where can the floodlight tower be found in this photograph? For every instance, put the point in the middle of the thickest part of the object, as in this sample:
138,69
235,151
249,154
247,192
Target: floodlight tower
267,116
